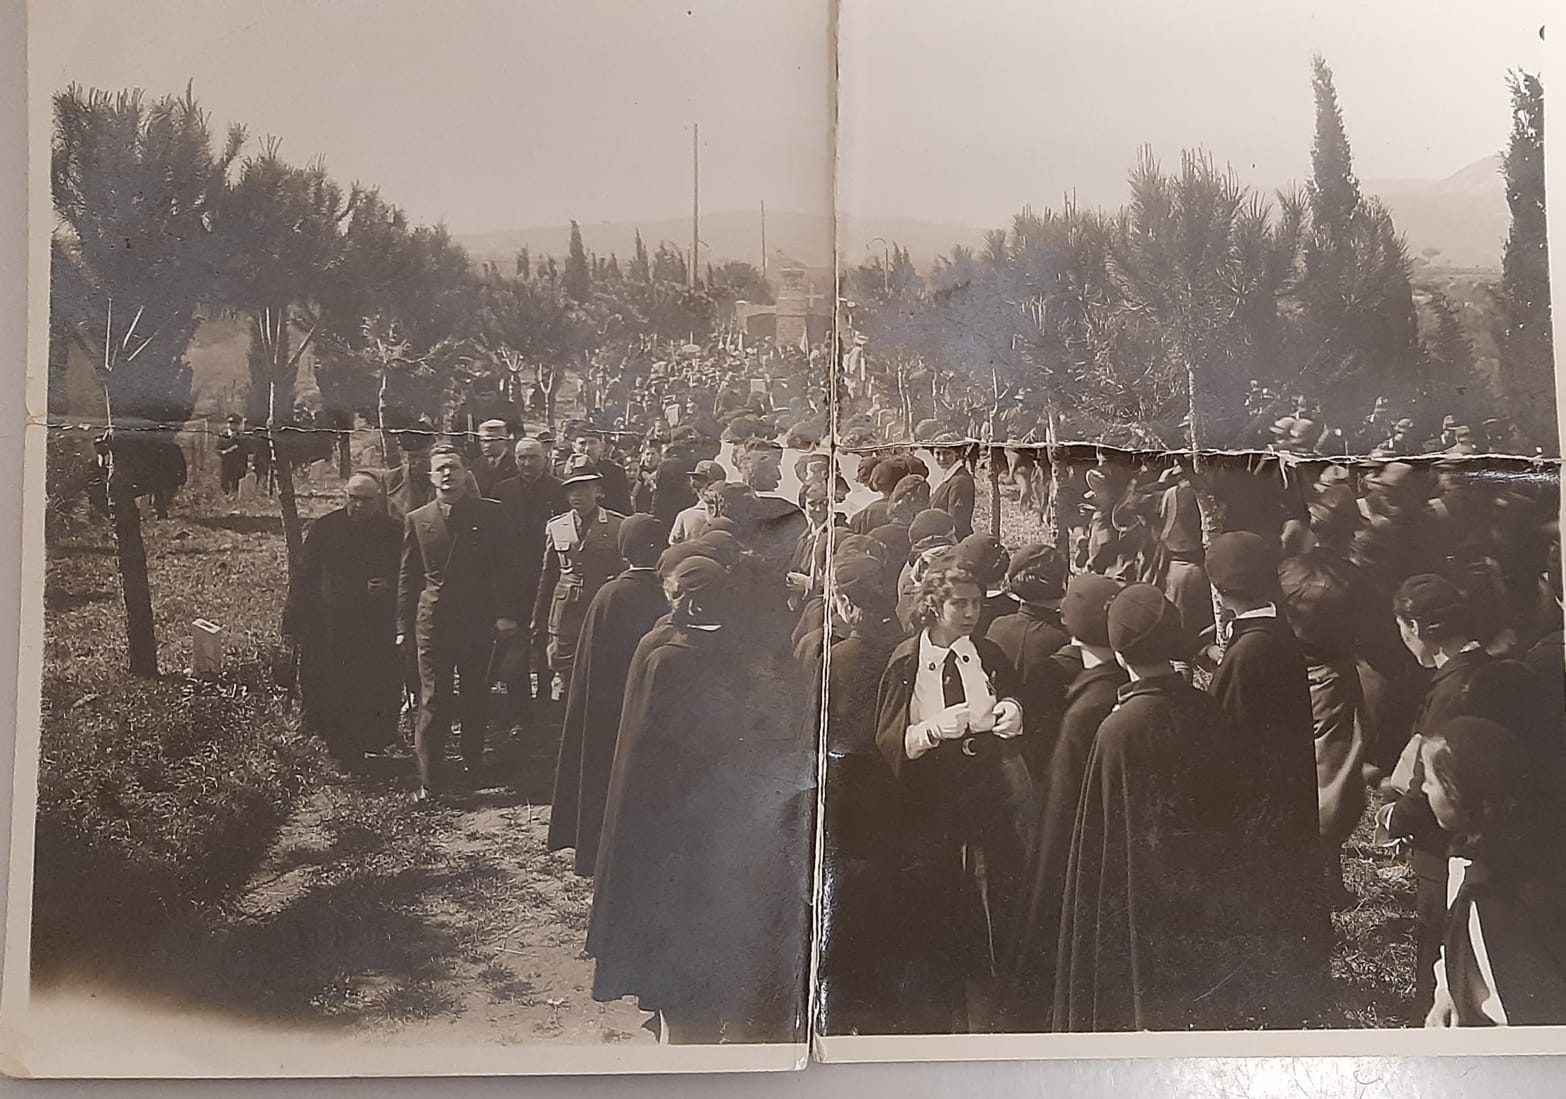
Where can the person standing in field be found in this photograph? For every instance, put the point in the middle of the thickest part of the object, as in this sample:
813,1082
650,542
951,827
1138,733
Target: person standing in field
458,592
342,615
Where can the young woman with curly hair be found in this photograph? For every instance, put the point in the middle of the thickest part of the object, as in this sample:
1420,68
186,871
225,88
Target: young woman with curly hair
947,723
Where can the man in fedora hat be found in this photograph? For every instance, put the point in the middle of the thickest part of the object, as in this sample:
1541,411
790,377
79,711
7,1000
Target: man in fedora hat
581,555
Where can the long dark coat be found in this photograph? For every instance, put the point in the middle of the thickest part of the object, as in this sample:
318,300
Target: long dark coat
1150,926
1263,687
703,877
955,496
620,615
348,667
1030,989
858,861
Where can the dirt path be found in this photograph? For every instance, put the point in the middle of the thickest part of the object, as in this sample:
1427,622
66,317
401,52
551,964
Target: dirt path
421,926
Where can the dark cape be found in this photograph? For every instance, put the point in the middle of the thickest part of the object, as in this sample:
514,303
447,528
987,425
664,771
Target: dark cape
1030,972
1030,638
1263,686
349,673
619,616
1152,935
703,880
857,978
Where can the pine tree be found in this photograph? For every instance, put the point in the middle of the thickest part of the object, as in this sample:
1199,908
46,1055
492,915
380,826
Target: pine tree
1525,341
578,276
1358,300
641,266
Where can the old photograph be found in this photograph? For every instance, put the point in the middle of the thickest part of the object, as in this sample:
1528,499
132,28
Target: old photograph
1203,227
1194,631
436,404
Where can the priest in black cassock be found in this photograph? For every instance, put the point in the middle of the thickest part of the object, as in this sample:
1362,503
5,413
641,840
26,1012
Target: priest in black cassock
341,612
617,619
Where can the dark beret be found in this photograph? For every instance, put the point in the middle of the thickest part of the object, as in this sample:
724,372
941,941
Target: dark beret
851,545
1084,609
1037,573
913,486
721,546
895,538
1243,563
1145,627
862,581
642,537
932,524
670,558
722,522
697,574
1434,602
885,474
985,557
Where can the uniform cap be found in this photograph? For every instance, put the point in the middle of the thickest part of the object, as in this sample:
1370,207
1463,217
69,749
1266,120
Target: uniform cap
1243,563
697,573
710,472
895,539
671,557
1037,573
861,580
931,527
642,537
1084,609
985,557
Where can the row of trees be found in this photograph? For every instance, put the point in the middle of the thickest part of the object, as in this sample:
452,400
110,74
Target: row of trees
159,227
1147,324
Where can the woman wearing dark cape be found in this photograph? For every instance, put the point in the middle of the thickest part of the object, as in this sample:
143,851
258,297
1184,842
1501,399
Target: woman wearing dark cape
1151,933
619,616
703,877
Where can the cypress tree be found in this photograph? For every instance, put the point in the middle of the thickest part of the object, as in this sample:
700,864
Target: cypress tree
578,276
1526,348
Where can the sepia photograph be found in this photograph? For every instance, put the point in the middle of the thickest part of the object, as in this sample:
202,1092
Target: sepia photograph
1320,228
436,404
1194,636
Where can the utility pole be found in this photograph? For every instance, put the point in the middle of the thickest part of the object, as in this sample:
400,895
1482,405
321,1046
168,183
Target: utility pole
695,203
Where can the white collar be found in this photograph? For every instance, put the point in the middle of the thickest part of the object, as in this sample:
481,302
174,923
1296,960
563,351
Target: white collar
1268,610
928,649
1090,659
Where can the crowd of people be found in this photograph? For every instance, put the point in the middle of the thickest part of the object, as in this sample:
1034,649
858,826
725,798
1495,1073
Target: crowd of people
1100,780
1106,786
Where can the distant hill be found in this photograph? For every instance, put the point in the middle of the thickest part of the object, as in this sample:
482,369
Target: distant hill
1464,216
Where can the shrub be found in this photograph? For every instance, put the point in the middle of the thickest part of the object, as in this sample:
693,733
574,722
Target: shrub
155,799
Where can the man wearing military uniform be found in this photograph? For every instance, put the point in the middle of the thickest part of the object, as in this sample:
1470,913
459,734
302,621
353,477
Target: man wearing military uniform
581,555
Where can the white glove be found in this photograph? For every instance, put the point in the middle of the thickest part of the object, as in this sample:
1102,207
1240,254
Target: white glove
951,723
1008,718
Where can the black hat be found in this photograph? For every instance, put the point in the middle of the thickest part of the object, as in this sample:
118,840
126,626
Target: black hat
851,545
642,538
1243,563
1037,573
580,470
722,522
931,527
861,580
1084,609
1144,627
670,558
417,438
895,538
985,557
697,573
721,546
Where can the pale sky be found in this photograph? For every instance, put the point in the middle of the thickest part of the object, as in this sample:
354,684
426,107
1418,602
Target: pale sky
490,114
506,114
963,112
